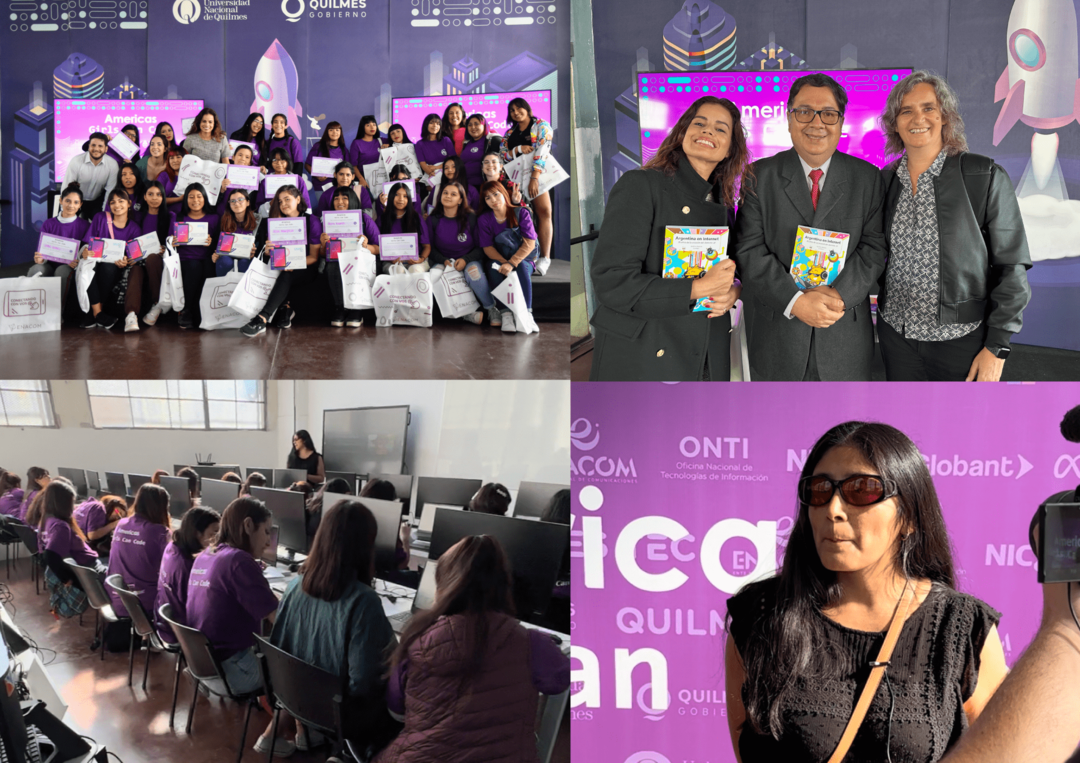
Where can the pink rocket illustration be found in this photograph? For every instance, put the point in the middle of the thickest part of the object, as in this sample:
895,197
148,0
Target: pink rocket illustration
275,88
1040,85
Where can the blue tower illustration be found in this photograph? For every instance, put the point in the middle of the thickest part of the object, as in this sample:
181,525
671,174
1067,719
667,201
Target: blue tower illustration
79,76
773,58
126,92
700,37
462,75
31,161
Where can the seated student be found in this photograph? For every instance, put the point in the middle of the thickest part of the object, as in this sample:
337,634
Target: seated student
153,164
228,598
252,132
194,483
344,198
401,217
453,125
198,528
453,169
244,158
132,132
69,225
57,529
384,490
196,264
288,202
478,144
130,180
313,509
365,148
331,145
138,544
157,219
434,147
37,479
492,170
332,618
397,172
452,228
239,218
502,216
97,517
206,138
165,130
11,494
491,498
115,222
174,158
255,479
343,178
155,478
396,134
281,164
466,674
231,477
279,138
95,172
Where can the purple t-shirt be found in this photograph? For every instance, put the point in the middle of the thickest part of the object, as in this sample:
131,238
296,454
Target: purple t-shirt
487,227
11,501
471,195
434,151
188,252
326,201
90,516
75,229
227,598
422,233
446,238
336,152
289,143
172,588
472,154
364,152
170,185
25,505
99,228
137,548
149,223
61,537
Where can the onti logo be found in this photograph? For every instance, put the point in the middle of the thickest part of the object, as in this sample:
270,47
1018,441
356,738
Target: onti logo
292,16
1066,464
580,432
647,757
186,11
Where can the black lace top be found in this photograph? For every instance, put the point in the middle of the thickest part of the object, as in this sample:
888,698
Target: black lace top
934,671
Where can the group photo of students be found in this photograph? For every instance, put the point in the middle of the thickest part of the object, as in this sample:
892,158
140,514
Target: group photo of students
385,580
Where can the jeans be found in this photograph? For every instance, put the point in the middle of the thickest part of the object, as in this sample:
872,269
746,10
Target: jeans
224,265
150,271
242,669
194,274
279,294
524,271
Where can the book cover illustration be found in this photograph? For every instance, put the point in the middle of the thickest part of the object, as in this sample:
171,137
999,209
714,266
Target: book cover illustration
183,233
134,250
819,256
689,253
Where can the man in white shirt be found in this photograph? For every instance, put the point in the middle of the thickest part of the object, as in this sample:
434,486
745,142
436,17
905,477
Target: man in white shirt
95,172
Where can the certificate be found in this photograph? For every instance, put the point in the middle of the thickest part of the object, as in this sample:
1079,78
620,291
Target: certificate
375,175
519,171
123,145
186,123
193,234
336,247
274,182
57,248
287,230
107,249
143,246
434,180
401,153
322,167
399,246
290,257
196,170
236,244
410,184
344,223
235,144
240,176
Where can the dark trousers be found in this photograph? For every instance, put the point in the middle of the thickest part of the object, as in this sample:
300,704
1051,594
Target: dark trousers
91,207
333,274
285,282
194,274
105,277
149,271
811,373
913,360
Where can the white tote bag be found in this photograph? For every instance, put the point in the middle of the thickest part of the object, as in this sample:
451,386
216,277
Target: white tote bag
509,293
403,300
454,295
250,295
84,274
357,276
214,302
172,284
30,305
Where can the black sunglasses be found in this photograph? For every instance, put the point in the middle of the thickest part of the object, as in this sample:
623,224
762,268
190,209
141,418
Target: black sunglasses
856,490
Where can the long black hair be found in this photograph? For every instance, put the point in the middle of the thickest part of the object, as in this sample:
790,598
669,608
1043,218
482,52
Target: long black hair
786,640
465,213
305,437
410,221
404,134
185,210
163,216
244,133
360,127
424,131
350,194
139,191
324,141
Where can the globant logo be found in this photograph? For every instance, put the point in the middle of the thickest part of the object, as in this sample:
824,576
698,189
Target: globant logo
186,11
586,436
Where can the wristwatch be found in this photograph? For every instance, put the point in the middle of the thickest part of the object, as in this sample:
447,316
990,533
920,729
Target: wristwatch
1001,353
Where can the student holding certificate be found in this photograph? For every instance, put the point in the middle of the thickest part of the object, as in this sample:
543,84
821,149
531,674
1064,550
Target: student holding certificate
513,251
153,164
67,225
281,164
132,134
454,244
397,172
532,135
239,218
288,203
195,263
345,199
645,324
174,158
116,223
242,157
401,217
279,138
365,149
252,132
131,181
433,147
330,146
478,144
158,221
453,171
206,139
453,125
343,178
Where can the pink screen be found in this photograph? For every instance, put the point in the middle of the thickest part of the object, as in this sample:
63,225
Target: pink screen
410,112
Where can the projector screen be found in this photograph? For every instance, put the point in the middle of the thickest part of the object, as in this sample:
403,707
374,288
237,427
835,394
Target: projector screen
410,112
762,100
365,440
76,119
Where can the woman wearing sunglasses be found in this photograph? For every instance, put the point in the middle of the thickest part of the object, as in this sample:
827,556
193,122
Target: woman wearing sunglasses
868,547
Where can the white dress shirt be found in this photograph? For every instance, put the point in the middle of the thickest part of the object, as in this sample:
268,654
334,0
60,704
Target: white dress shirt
95,180
807,169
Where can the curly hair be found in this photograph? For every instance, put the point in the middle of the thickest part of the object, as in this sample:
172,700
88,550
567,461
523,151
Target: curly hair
952,124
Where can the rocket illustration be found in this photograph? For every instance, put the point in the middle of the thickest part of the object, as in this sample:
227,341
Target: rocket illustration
275,87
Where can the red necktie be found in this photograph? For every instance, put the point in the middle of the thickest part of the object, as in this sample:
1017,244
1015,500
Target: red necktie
815,192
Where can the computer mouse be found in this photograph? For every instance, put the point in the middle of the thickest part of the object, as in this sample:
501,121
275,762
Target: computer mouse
293,567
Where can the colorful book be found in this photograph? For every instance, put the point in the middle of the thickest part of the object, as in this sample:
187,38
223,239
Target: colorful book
690,252
819,256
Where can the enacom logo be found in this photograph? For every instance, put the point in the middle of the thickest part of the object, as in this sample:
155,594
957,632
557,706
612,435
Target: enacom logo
580,431
186,11
292,16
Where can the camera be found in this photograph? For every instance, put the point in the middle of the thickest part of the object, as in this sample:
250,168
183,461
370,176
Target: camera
1059,539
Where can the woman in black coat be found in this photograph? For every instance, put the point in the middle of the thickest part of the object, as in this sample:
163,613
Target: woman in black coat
645,327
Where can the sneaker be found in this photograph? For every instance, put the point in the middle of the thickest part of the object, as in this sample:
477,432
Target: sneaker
337,322
254,327
283,319
309,739
283,748
151,317
105,320
477,317
131,322
355,320
542,264
185,320
494,316
88,321
508,324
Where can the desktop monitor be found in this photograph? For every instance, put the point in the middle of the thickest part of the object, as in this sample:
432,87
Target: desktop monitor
77,477
93,483
288,510
217,471
402,486
179,495
115,483
285,477
535,551
388,519
136,481
534,497
217,494
449,491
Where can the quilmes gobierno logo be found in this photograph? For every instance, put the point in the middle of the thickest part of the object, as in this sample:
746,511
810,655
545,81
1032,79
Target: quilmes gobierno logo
647,756
186,11
292,16
585,435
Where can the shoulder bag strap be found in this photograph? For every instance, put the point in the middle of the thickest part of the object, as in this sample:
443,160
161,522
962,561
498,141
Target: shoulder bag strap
903,609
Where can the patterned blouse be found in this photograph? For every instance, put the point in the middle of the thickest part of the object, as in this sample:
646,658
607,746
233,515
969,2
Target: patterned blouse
913,276
541,135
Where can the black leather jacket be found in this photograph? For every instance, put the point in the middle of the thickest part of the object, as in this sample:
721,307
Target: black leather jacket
983,263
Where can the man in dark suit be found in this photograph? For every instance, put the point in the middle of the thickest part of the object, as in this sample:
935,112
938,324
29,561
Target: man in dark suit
823,333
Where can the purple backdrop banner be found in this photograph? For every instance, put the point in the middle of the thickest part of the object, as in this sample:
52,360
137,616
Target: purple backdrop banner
678,504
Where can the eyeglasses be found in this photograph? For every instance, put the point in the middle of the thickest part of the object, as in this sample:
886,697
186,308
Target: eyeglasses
236,202
856,490
805,115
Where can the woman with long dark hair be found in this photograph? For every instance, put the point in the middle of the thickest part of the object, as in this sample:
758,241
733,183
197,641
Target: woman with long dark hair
454,244
453,125
239,218
529,134
343,199
117,222
434,147
478,144
195,263
153,164
138,543
198,528
330,146
37,479
401,217
130,180
365,149
206,138
453,171
243,156
252,131
174,157
165,130
11,494
396,134
868,539
159,220
132,133
304,456
97,518
57,529
281,138
67,224
469,657
281,164
344,177
512,256
646,327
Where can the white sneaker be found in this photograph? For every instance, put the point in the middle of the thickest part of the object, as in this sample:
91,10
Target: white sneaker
283,748
542,265
477,317
309,739
151,317
509,326
131,322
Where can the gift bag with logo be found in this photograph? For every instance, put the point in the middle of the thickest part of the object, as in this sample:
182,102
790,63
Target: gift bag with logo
29,305
84,274
172,284
403,300
250,295
214,302
357,275
454,295
509,293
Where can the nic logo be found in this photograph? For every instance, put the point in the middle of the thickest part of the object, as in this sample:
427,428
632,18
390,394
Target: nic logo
186,11
580,432
647,757
292,16
1066,464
